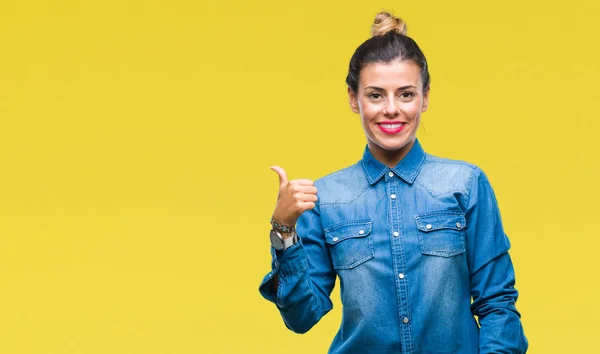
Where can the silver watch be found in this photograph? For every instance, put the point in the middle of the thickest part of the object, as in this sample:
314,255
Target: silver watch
280,243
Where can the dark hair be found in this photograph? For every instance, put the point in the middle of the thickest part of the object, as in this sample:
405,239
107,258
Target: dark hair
389,43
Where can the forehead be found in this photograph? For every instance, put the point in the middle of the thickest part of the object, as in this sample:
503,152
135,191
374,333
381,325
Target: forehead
390,75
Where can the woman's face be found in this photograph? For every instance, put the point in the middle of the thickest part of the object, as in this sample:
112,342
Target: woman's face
390,101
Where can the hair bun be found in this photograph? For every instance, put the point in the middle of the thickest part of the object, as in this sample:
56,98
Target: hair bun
386,22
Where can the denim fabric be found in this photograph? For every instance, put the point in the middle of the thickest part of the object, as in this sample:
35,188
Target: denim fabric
412,246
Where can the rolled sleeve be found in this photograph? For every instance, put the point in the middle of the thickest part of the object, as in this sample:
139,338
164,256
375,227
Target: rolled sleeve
492,273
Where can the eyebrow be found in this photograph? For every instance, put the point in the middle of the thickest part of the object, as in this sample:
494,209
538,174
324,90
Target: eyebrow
399,88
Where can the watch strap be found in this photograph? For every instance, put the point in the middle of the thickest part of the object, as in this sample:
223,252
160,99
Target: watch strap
291,240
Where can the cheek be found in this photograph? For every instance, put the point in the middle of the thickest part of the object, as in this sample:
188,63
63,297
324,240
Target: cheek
413,111
369,111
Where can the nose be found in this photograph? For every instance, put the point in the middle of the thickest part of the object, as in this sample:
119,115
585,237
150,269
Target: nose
391,107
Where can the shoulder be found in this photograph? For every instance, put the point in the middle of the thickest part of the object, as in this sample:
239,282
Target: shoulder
342,186
441,175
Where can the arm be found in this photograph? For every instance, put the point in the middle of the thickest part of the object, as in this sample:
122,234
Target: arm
302,277
492,273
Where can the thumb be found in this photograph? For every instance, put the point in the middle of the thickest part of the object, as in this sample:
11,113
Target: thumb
281,173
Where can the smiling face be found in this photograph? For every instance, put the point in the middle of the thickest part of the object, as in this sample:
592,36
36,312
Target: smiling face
390,100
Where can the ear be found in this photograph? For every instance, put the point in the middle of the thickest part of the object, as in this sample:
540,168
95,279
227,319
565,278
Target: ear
353,100
425,101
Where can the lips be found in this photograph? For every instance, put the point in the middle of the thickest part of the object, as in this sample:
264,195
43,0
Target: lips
391,128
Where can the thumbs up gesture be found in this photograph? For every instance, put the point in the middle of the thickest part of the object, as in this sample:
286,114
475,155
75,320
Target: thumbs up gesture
295,197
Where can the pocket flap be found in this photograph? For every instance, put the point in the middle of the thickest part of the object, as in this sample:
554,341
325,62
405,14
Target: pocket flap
346,230
437,221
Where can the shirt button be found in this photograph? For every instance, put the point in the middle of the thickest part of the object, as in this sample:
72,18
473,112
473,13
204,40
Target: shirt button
393,196
458,225
396,233
401,276
405,320
335,239
361,232
391,174
428,226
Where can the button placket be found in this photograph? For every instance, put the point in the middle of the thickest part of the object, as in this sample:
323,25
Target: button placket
395,216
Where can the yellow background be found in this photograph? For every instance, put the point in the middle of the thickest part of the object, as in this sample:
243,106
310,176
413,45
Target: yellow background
136,139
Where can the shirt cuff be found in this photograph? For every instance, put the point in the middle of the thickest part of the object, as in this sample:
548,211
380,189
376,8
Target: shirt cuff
290,261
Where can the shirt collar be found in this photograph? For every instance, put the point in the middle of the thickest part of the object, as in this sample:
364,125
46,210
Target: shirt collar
407,169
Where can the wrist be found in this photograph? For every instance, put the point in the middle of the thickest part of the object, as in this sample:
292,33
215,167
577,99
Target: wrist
287,235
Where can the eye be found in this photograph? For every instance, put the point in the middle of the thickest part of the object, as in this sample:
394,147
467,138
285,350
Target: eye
374,96
407,95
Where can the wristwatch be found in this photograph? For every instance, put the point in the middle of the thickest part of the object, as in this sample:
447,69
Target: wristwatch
280,243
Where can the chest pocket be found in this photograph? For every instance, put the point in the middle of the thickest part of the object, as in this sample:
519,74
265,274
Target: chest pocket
441,233
350,243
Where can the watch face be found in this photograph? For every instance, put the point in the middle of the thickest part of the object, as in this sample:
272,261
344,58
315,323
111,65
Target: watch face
276,240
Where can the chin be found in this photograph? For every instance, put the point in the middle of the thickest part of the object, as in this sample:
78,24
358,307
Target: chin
394,145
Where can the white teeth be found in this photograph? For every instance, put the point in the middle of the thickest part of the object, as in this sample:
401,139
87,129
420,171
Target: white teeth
391,126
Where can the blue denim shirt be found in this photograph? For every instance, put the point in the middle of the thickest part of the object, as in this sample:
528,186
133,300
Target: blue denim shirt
412,246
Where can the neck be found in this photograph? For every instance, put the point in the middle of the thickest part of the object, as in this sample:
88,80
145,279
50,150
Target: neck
390,158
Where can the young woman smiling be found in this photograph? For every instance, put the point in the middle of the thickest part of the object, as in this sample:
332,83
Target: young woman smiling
416,240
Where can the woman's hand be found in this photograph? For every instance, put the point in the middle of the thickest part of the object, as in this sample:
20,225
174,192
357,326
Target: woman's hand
295,197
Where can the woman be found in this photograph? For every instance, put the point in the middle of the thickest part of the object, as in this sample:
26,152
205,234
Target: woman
412,237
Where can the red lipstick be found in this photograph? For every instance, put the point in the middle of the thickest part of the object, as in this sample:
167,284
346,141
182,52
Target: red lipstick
391,127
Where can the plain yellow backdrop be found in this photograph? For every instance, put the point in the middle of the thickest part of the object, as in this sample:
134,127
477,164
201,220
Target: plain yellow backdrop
136,139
